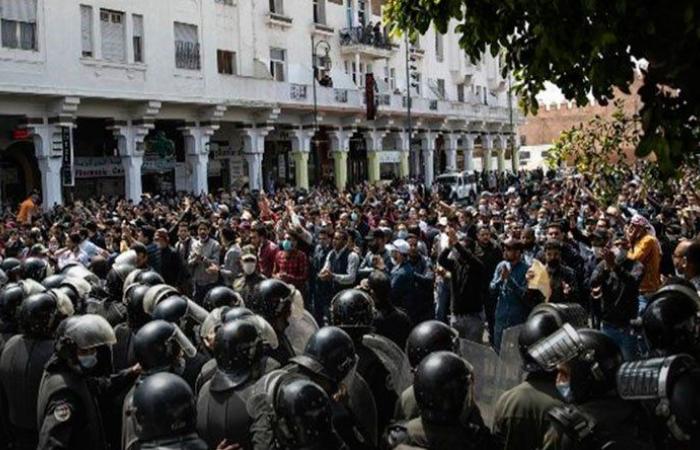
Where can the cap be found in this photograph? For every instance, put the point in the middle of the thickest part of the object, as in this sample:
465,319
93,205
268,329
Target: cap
442,221
38,249
400,246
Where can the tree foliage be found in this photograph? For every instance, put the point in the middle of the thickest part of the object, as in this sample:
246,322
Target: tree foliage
585,47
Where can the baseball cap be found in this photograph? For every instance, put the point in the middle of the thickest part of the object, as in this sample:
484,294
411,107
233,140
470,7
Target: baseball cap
399,245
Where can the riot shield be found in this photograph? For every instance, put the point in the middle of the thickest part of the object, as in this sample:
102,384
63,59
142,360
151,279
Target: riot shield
510,373
394,360
487,366
302,326
361,404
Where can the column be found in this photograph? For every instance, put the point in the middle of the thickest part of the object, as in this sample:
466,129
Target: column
340,146
254,149
428,149
301,147
451,151
487,147
51,187
403,144
374,140
197,156
301,169
501,158
515,157
132,177
468,140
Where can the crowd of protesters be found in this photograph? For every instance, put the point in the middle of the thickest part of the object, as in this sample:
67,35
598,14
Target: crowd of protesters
481,265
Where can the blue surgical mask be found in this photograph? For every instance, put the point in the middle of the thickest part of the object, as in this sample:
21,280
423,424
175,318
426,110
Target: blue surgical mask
353,217
565,392
402,234
88,361
286,245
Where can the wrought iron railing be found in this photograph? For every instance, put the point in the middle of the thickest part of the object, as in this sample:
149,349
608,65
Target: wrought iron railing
372,36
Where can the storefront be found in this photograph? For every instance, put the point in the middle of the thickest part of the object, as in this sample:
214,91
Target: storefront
278,162
104,175
389,164
357,160
19,171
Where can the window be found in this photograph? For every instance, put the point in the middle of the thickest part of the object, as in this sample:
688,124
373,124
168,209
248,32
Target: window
18,25
224,2
349,12
186,47
113,35
138,38
485,95
86,31
226,62
416,83
278,64
441,88
361,13
277,7
320,11
460,92
392,79
439,47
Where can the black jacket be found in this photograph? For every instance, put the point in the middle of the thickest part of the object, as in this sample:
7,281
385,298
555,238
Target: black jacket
465,270
172,267
620,291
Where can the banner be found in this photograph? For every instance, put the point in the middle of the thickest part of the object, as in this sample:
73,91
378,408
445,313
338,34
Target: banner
67,172
111,166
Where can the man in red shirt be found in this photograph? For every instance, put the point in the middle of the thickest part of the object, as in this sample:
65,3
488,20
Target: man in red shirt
291,264
266,250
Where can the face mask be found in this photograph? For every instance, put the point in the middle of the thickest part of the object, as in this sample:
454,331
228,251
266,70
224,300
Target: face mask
286,245
88,361
565,392
402,234
248,267
394,262
353,217
598,252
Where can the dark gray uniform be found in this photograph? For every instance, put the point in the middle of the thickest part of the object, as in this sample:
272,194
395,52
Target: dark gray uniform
189,442
418,433
21,369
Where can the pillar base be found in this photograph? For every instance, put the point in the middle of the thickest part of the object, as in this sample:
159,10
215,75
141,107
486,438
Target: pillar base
340,166
51,187
198,164
373,167
132,177
301,169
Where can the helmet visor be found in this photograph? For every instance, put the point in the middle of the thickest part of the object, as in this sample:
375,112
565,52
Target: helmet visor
560,347
90,331
651,378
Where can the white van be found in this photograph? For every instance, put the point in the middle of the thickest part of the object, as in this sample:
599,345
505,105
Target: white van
458,185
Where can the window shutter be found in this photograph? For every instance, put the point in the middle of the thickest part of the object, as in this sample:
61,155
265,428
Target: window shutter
86,29
113,37
18,10
138,26
186,33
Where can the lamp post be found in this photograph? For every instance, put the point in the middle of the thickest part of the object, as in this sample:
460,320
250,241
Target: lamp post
408,97
326,63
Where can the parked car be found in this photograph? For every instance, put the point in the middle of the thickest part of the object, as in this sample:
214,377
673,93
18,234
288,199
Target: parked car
457,185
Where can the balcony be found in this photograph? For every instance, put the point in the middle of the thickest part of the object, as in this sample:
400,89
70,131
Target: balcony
369,42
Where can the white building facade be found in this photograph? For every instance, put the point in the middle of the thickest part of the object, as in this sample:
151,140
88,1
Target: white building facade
119,97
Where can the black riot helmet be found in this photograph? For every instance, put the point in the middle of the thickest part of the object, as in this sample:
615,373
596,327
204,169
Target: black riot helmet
35,268
237,347
163,406
330,353
90,333
11,297
136,316
428,337
160,345
3,279
222,296
236,313
115,279
544,320
302,414
593,359
672,383
53,281
671,323
40,314
12,268
173,309
353,311
271,298
442,386
149,278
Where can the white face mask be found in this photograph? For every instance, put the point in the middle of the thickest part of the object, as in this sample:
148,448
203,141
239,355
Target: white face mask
88,361
248,267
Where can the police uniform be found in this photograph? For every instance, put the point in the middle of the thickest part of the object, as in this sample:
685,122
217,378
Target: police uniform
189,442
520,418
407,409
421,434
245,284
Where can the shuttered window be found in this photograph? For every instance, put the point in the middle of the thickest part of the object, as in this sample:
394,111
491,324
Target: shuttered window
138,38
18,24
113,35
278,63
86,30
186,47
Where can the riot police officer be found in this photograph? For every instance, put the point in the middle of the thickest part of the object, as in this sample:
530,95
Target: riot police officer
35,268
669,387
520,418
222,296
115,280
159,346
11,297
136,317
425,338
12,268
272,299
164,409
247,283
222,403
22,365
587,362
443,386
380,362
303,417
671,324
68,405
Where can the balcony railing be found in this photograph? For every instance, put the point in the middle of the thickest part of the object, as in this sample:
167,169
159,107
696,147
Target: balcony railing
371,36
433,105
297,91
341,95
